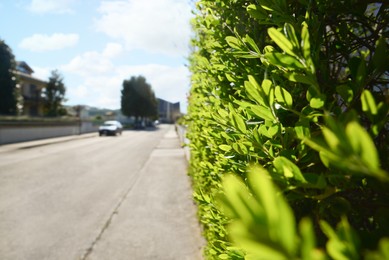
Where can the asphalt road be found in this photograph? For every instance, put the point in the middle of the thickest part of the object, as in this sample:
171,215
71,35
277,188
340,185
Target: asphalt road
125,197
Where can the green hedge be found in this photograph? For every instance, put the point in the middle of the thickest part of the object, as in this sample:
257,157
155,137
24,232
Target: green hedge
288,128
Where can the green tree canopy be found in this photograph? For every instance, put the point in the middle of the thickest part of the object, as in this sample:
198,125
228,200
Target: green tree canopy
54,95
138,98
8,101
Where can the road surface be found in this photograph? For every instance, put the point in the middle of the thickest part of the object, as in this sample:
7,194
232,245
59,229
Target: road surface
124,197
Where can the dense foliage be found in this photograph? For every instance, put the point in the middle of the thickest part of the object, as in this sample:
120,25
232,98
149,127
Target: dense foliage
292,98
138,98
8,97
54,95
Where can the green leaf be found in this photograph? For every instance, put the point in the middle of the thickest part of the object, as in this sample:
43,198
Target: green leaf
257,12
288,169
267,5
266,87
341,245
308,240
277,211
238,121
306,46
306,79
381,55
273,130
234,42
262,112
252,89
331,139
223,113
382,252
361,74
317,102
281,41
225,147
368,103
291,34
224,256
345,92
283,96
362,145
252,43
302,129
283,60
236,202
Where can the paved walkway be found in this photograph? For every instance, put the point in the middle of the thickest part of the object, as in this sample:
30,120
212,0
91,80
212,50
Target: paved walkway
162,214
156,217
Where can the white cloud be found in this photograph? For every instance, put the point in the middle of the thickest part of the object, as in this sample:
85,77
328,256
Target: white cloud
42,73
158,26
103,89
80,92
44,42
100,81
51,6
170,83
92,63
112,50
89,64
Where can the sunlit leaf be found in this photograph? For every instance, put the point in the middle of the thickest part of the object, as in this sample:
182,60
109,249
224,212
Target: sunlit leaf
273,130
257,12
342,243
275,208
368,103
262,112
306,46
225,147
237,121
284,60
317,102
266,87
291,34
252,43
308,242
283,96
331,139
362,144
252,88
288,169
281,41
267,5
234,42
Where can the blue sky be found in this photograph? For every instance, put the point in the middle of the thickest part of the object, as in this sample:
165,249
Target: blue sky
97,44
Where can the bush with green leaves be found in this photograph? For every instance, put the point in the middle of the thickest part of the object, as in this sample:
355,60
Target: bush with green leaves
296,91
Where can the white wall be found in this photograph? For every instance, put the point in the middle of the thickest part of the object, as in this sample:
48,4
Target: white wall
21,133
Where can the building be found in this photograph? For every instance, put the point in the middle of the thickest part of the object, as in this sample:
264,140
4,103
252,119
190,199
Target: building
168,112
31,103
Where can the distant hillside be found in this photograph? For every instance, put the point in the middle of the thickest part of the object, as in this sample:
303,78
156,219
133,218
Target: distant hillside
95,111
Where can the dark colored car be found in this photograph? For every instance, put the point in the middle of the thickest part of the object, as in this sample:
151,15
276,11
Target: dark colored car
111,128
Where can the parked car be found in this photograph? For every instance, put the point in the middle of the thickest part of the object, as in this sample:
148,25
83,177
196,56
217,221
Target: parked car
110,128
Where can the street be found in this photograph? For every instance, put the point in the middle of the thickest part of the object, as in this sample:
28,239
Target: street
124,197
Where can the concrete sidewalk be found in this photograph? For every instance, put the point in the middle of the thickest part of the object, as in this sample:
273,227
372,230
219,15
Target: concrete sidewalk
153,218
157,218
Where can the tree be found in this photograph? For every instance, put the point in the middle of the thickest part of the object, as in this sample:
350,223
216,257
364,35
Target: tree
138,98
8,100
54,95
